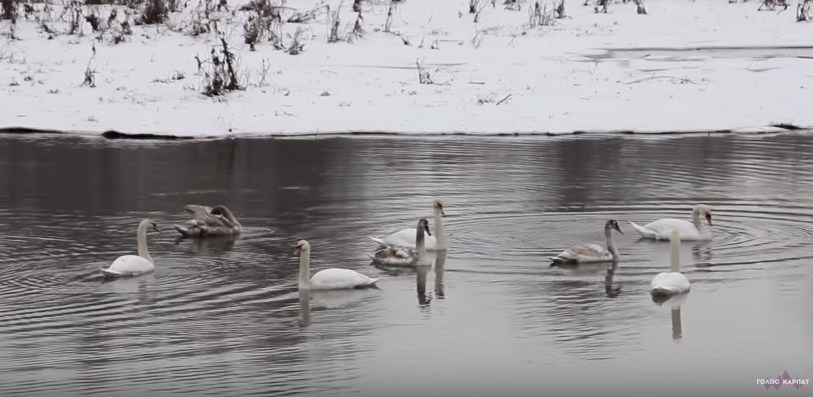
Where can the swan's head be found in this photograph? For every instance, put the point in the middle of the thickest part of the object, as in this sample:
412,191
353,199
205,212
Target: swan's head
301,246
150,224
424,224
438,206
612,224
704,210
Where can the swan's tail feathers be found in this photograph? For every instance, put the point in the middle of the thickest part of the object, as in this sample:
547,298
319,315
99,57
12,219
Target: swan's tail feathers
379,241
560,261
373,281
372,256
110,273
644,232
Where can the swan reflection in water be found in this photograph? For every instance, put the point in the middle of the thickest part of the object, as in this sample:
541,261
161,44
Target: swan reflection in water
420,279
143,285
304,307
701,253
330,299
595,268
440,268
611,290
673,302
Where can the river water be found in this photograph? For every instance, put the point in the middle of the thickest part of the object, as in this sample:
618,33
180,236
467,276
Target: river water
224,317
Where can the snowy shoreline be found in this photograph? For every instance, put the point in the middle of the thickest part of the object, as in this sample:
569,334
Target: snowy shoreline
686,67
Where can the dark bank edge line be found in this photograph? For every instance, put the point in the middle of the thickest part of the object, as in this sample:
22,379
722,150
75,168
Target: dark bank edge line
113,134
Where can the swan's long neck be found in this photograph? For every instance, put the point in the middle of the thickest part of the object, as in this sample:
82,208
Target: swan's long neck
141,237
231,218
674,264
304,269
420,243
440,233
608,236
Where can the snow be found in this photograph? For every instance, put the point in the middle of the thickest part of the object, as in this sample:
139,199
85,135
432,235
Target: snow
703,65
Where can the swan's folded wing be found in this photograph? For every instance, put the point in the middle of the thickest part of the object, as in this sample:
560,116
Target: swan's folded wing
590,250
403,252
213,221
395,252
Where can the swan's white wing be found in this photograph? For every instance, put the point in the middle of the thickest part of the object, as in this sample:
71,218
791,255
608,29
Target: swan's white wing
668,283
643,231
405,238
585,252
129,265
335,278
663,229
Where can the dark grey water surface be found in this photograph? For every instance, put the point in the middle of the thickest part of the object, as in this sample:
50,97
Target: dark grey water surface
224,317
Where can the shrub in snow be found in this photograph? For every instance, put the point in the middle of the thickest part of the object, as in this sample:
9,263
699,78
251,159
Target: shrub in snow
265,21
538,15
334,25
9,8
296,47
640,7
804,11
155,11
770,5
220,75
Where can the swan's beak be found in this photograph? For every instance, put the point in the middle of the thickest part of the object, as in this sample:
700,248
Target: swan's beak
297,250
619,229
155,227
708,219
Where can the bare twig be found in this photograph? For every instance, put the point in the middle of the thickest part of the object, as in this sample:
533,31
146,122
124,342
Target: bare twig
503,100
423,75
680,79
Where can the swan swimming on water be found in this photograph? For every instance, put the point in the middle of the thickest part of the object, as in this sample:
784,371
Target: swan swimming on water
661,229
209,221
590,252
406,237
672,282
134,265
332,278
406,256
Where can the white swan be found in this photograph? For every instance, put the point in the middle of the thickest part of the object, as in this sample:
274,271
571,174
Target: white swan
333,278
134,265
406,237
673,282
406,256
589,252
662,228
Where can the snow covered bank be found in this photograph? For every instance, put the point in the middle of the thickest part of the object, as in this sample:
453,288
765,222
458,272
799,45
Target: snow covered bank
706,65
